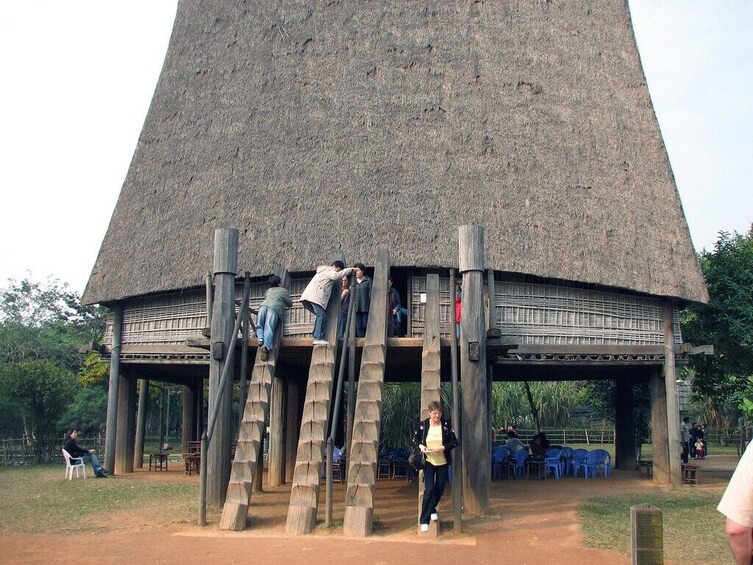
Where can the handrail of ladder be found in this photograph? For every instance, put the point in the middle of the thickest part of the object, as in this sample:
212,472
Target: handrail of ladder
338,394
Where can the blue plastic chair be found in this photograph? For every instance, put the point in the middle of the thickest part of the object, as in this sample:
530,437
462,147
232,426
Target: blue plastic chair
499,461
553,461
520,462
604,460
579,456
568,463
597,458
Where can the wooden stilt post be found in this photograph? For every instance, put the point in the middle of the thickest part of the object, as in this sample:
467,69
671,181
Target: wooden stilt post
276,467
138,457
624,426
112,396
223,316
430,371
476,455
673,411
126,431
187,425
457,460
292,424
659,445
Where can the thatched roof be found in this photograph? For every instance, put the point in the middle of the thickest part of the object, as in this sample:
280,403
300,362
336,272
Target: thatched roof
318,126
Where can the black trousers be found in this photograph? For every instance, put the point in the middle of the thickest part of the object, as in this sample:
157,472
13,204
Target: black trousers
435,478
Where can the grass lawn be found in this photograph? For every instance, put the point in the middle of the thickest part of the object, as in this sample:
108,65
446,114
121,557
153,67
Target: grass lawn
693,529
38,499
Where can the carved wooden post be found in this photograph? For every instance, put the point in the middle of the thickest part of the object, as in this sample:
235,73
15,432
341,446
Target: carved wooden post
112,396
430,371
624,441
476,456
138,457
223,315
673,411
659,443
187,418
126,427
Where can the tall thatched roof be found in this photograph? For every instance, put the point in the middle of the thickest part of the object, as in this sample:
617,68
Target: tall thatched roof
316,126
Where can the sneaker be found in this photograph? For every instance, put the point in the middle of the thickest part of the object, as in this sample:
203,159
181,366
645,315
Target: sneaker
101,475
424,528
434,517
263,353
321,342
103,470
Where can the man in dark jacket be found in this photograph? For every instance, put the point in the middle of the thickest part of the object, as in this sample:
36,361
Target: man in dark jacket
87,455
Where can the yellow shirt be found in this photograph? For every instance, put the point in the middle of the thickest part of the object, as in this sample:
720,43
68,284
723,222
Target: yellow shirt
434,441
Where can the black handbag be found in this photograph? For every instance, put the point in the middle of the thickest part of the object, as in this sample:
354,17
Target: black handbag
417,460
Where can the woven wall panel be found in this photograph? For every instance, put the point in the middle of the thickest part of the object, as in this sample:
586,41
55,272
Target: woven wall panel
545,314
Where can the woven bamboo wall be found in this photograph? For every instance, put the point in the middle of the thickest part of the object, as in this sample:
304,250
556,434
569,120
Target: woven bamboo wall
546,314
530,313
170,319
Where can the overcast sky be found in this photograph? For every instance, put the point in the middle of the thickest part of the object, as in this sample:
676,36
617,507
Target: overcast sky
78,77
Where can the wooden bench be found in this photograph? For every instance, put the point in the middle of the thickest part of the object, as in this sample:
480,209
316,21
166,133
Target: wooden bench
158,461
690,474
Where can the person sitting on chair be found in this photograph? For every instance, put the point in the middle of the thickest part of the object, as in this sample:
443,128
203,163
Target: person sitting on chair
86,454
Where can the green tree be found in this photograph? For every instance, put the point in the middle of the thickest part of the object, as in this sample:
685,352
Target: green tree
42,328
726,322
40,390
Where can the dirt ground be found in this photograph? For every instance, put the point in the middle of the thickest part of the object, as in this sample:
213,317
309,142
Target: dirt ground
529,522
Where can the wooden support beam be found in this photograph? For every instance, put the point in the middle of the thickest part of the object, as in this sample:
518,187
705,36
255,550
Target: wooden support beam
187,426
430,372
126,431
276,460
223,318
292,425
473,376
673,410
138,457
112,396
660,447
624,426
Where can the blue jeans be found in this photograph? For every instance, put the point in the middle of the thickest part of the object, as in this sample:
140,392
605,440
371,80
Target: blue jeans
91,458
321,320
435,479
266,324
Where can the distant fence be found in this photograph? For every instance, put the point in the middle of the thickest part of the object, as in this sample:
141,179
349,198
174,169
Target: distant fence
559,436
31,452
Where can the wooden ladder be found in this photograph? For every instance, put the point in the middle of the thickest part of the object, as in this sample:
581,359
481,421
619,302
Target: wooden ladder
248,460
304,495
363,452
309,463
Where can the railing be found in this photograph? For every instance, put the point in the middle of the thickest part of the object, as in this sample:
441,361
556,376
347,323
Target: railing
30,452
563,436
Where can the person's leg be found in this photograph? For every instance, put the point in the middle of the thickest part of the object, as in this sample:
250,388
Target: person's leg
270,324
341,326
428,500
94,462
321,320
684,452
439,483
261,318
361,324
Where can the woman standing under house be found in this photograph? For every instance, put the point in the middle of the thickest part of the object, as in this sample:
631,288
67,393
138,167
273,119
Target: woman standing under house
435,438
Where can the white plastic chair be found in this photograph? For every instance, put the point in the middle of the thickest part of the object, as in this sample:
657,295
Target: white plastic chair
72,463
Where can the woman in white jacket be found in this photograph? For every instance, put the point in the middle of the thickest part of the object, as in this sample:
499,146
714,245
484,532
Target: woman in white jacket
316,295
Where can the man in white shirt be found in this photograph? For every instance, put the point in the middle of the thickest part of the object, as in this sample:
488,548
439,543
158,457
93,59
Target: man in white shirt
737,506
